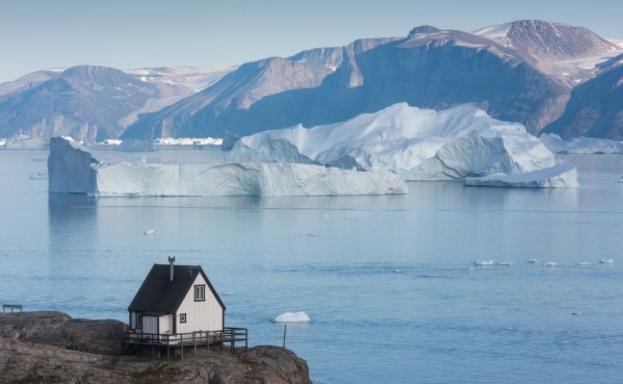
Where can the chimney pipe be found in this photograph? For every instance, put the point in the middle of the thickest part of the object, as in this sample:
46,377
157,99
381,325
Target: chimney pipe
171,262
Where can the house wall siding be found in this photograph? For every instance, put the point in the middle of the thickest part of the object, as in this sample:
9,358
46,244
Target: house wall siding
200,315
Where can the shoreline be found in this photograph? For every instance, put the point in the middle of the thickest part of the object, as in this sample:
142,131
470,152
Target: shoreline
52,347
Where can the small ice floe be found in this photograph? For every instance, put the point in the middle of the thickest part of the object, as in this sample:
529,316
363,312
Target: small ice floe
429,276
505,263
483,263
38,176
532,261
149,232
550,264
582,263
397,270
292,317
606,261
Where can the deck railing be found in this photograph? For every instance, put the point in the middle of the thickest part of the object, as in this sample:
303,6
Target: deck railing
232,336
11,307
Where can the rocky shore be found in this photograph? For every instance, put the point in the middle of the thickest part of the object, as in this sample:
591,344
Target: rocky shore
51,347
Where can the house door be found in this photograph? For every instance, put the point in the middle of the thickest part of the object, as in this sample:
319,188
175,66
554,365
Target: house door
165,326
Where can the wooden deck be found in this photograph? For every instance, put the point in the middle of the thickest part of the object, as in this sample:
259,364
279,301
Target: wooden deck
231,337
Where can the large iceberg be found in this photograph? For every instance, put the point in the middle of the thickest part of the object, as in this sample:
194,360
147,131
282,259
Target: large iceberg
73,169
581,145
454,144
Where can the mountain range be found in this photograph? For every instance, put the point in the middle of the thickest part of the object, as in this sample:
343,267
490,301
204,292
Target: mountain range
90,102
544,75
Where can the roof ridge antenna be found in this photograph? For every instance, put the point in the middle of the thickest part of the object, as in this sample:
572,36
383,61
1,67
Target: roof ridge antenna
171,268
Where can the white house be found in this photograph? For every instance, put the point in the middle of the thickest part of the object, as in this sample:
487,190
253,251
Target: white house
176,299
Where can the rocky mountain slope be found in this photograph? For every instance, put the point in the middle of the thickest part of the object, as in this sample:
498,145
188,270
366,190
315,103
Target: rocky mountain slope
91,102
429,68
86,102
565,52
522,71
596,107
30,80
50,347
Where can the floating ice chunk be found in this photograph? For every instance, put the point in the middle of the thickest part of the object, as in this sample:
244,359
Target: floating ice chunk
149,232
293,317
38,176
581,145
429,276
506,263
559,176
187,141
550,264
606,261
583,263
483,263
532,261
73,169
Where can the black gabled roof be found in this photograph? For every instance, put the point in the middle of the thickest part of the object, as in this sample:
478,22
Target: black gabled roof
158,295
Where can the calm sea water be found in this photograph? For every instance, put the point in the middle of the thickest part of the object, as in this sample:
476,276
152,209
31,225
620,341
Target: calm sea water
388,281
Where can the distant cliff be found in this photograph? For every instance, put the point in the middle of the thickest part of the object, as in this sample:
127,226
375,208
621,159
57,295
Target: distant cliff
51,347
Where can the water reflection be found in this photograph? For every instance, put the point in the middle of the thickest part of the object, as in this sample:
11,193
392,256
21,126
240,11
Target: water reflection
72,232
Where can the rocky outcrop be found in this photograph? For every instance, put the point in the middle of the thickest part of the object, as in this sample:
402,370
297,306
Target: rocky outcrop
51,347
59,330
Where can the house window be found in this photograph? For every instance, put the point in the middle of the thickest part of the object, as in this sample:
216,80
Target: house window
182,318
200,292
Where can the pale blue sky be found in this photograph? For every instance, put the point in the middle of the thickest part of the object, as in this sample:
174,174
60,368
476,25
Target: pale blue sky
126,34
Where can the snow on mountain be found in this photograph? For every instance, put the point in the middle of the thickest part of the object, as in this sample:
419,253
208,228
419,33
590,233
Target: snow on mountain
195,78
72,169
566,52
429,68
453,144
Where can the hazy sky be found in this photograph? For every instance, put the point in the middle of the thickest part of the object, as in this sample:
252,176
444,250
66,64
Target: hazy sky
127,34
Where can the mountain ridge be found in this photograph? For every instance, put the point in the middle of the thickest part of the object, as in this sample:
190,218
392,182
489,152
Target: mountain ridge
522,71
240,102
